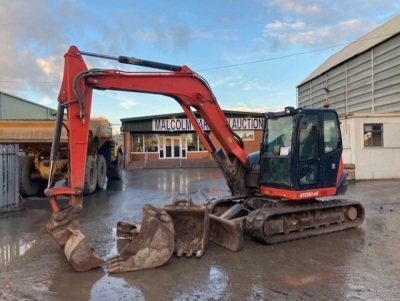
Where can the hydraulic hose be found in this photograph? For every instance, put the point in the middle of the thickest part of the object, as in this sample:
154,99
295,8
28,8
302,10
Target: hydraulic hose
56,142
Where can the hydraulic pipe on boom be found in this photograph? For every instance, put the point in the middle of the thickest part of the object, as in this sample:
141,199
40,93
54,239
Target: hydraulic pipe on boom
135,61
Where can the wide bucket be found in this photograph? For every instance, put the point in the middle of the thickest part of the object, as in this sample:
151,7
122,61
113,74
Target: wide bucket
151,242
191,224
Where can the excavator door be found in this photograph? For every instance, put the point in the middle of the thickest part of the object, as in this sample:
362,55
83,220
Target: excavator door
301,151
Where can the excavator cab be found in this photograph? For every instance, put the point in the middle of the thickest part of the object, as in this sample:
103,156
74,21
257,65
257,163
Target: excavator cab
301,154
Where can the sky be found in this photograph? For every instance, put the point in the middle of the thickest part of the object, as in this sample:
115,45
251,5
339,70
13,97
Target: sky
253,53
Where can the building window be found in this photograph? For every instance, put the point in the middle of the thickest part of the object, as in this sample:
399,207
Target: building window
137,143
373,134
194,143
246,135
151,143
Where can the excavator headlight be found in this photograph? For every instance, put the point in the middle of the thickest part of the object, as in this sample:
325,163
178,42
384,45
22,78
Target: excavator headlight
289,110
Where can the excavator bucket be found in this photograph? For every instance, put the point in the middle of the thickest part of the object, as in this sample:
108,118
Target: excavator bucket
64,228
152,242
226,222
191,223
226,233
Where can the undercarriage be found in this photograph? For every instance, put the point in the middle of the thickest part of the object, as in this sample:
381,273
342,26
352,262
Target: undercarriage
272,221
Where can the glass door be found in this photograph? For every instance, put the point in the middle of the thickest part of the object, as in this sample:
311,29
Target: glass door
172,147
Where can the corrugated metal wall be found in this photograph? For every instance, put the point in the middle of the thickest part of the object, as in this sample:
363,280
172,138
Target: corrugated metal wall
369,82
9,166
12,107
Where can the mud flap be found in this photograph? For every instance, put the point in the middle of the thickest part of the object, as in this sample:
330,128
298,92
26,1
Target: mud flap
191,223
64,228
153,246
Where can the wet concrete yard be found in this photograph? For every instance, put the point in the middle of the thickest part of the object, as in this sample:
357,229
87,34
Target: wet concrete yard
358,264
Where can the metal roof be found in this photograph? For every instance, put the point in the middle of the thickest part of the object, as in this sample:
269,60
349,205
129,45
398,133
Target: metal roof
363,44
182,114
14,107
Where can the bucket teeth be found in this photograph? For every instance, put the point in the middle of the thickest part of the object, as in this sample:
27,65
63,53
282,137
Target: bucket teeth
191,223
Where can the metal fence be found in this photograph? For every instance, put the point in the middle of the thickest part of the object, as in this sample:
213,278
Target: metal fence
9,167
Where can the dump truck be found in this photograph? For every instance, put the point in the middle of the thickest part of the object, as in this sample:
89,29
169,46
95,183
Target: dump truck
34,137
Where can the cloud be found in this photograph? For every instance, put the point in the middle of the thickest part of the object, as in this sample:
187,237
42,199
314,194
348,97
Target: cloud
128,103
320,23
226,80
315,36
256,109
297,6
30,45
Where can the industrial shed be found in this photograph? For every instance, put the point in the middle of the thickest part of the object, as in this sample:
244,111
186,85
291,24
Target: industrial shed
13,107
362,83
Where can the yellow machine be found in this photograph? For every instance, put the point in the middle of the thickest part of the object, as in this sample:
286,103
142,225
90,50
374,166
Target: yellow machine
104,156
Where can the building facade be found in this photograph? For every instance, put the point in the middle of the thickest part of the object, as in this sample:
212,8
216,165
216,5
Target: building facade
362,83
171,141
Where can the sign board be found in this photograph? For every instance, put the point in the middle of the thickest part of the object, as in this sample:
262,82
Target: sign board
183,124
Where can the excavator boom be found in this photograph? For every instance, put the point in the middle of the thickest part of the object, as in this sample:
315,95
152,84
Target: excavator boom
180,83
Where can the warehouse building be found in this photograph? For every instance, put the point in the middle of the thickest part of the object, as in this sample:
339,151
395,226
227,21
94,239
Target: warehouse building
362,83
170,140
13,107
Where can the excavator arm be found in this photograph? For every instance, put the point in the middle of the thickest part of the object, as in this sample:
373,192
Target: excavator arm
75,97
183,85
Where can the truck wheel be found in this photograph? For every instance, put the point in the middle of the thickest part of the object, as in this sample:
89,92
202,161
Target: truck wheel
101,171
27,187
90,176
116,170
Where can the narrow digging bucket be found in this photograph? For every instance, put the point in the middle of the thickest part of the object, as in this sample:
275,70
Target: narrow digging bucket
152,242
64,228
227,224
226,233
79,253
191,223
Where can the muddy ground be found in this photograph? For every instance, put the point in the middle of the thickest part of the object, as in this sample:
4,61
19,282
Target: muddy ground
358,264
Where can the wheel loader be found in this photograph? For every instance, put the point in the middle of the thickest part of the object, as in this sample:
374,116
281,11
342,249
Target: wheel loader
288,190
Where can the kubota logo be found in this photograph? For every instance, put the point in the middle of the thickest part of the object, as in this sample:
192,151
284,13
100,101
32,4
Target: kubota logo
309,194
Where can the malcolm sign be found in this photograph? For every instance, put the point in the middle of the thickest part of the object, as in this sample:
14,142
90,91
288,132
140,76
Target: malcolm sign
184,124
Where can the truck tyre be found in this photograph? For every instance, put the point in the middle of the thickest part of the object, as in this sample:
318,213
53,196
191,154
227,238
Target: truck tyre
101,171
116,170
90,175
27,187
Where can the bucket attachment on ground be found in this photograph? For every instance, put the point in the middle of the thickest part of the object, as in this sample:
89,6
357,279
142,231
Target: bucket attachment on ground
226,233
153,246
227,217
64,228
191,223
127,229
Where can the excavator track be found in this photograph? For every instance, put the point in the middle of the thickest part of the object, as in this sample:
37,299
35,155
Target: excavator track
272,225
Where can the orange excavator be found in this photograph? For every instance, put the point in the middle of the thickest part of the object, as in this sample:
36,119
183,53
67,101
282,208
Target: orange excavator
288,190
